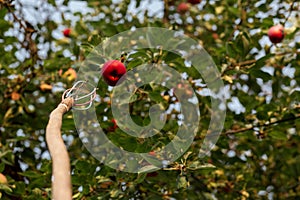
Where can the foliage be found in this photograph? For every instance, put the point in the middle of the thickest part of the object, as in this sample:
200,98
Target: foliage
257,155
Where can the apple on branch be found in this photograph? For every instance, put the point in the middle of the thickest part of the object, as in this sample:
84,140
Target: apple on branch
114,126
276,33
67,32
183,8
112,71
3,179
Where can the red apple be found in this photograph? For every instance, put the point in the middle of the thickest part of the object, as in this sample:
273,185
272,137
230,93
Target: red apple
183,91
3,179
112,71
215,36
114,126
15,96
67,32
194,1
276,33
152,153
183,8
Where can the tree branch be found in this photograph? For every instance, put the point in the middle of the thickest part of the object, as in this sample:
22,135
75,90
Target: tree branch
61,183
262,125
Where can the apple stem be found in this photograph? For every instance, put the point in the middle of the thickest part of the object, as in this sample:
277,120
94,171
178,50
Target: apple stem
61,177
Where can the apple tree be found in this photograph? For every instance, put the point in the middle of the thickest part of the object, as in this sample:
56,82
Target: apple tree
257,155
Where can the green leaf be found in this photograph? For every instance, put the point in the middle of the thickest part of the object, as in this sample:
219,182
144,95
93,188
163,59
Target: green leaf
234,11
102,179
261,62
156,96
198,165
182,182
2,166
140,178
5,188
147,169
230,49
76,50
261,74
262,115
30,174
20,188
278,135
134,63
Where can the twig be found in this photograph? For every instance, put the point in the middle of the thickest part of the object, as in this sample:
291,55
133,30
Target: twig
239,130
61,183
262,125
247,62
289,12
166,12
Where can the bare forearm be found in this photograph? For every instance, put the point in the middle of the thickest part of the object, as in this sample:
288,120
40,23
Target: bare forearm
61,183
